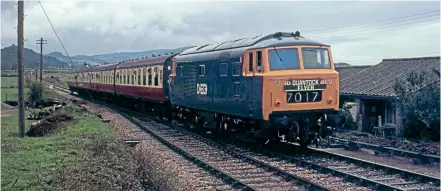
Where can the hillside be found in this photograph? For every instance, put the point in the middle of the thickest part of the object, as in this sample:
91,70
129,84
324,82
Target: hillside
31,59
113,57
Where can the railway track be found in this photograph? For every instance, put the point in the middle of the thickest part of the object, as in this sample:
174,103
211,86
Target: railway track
239,171
249,170
235,167
375,176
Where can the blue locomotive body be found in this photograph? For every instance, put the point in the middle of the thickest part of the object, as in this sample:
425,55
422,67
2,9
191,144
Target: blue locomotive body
213,81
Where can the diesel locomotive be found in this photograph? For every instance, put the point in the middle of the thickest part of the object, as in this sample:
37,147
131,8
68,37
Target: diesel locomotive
280,87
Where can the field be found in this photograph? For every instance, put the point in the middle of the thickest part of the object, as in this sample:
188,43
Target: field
81,154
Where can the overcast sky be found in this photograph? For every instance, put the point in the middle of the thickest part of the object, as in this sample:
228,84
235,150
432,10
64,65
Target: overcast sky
96,27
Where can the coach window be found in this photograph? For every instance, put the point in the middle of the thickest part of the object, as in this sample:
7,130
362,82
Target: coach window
117,77
133,76
112,79
160,76
149,72
236,69
139,76
223,69
144,77
121,77
124,76
201,70
127,76
259,61
156,76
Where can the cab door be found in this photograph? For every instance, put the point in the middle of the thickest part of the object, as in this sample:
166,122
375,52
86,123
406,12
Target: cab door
248,73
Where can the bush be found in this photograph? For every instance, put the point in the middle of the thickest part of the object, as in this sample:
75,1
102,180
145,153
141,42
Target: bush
419,97
349,122
35,91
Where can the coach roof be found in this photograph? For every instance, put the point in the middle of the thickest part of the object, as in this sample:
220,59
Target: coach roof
84,69
276,39
145,61
104,67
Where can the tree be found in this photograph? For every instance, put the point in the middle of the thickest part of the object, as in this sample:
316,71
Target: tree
419,97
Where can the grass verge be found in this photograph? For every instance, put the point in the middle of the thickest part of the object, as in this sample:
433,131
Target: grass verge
85,154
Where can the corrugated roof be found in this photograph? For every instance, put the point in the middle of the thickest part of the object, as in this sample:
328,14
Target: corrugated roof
379,79
347,71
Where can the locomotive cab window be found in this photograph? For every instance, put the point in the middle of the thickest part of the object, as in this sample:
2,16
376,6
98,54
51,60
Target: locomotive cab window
180,70
284,59
259,66
250,62
223,69
316,58
201,70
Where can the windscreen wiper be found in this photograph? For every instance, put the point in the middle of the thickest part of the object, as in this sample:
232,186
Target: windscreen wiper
277,52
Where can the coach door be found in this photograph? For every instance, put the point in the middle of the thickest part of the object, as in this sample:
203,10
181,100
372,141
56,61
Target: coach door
248,73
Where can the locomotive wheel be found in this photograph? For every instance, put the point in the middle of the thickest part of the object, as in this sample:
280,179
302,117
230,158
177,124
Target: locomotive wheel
303,137
294,131
169,114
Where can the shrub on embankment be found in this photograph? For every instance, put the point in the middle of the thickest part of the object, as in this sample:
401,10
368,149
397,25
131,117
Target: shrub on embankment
419,98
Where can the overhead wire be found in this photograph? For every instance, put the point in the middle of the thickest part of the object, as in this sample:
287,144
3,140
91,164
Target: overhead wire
351,26
344,33
375,28
53,28
367,60
417,24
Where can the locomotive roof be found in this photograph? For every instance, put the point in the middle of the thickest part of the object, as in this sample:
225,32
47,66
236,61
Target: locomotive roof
276,39
145,61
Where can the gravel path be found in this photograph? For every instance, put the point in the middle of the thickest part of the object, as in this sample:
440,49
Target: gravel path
164,169
399,162
6,109
431,148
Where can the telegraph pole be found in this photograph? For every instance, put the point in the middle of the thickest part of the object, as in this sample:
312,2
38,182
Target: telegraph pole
41,42
20,39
